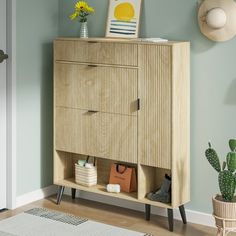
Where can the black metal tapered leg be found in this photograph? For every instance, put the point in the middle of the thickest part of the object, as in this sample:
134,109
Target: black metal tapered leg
147,211
182,213
59,194
171,220
73,192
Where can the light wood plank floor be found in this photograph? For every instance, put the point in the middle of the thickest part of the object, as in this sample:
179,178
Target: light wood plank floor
116,216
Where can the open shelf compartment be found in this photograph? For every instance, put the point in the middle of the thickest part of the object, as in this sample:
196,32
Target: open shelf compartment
64,174
150,180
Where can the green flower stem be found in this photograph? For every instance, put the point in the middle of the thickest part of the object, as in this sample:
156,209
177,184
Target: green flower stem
83,16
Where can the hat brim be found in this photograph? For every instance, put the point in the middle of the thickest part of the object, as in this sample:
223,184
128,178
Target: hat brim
222,34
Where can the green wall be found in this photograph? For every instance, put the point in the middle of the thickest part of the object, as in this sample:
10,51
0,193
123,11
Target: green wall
213,80
213,85
37,26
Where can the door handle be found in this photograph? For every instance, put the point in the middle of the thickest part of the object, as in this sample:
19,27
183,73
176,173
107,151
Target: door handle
3,56
92,65
92,111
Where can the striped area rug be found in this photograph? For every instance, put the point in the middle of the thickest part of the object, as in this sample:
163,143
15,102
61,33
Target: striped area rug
43,222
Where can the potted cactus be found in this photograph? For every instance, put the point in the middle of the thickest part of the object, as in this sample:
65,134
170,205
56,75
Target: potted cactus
224,205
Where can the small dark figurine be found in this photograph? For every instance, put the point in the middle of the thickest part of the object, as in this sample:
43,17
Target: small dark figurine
163,194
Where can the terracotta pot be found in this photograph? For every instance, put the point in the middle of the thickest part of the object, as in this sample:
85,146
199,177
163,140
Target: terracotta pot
224,211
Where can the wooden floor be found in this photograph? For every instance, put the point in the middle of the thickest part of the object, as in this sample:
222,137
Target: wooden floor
116,216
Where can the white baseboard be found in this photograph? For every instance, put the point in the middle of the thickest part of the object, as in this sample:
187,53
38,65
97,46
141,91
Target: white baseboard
192,216
35,195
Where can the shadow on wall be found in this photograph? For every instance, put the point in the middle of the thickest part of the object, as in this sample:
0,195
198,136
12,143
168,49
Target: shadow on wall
230,98
46,91
177,25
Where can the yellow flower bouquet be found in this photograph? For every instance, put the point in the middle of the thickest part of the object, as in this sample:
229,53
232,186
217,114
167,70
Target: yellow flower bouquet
82,10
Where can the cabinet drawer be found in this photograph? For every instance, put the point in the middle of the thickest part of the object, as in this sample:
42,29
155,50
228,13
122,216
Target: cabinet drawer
96,52
105,89
98,134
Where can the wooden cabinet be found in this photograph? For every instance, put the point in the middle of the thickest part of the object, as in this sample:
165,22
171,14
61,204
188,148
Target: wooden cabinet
123,100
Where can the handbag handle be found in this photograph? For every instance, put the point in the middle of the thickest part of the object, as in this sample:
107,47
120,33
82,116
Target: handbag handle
87,160
120,172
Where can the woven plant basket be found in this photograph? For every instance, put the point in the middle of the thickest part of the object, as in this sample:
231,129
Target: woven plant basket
86,176
224,212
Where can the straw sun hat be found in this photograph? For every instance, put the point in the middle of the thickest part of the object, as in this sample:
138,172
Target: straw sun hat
217,19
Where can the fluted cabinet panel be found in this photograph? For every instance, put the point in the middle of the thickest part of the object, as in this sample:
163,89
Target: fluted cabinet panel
98,134
96,52
105,89
155,92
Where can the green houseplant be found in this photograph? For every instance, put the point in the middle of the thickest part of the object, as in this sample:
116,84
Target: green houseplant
224,205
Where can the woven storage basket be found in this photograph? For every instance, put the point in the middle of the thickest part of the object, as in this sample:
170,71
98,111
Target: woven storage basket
85,176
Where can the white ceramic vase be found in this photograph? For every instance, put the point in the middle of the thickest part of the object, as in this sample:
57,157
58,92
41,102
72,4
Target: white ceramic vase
84,30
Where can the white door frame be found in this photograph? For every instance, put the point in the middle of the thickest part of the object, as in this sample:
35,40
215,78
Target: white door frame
11,104
3,130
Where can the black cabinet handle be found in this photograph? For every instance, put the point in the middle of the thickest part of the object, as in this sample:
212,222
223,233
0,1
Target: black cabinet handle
92,111
92,66
138,104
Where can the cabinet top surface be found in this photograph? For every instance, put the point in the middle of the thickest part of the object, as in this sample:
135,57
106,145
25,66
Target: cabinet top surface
120,40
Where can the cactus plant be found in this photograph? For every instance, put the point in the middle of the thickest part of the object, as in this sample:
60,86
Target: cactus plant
231,161
232,144
227,184
213,158
227,178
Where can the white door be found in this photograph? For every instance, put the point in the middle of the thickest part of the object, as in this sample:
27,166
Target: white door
2,104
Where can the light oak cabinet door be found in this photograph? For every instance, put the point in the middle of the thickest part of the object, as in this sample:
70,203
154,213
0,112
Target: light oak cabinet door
155,90
106,89
98,134
97,52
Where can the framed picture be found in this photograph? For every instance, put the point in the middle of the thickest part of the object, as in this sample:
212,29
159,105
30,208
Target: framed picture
123,18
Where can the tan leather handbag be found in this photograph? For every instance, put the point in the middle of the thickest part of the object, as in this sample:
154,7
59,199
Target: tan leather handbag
125,176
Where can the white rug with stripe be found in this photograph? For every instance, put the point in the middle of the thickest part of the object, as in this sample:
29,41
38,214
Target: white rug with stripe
43,222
